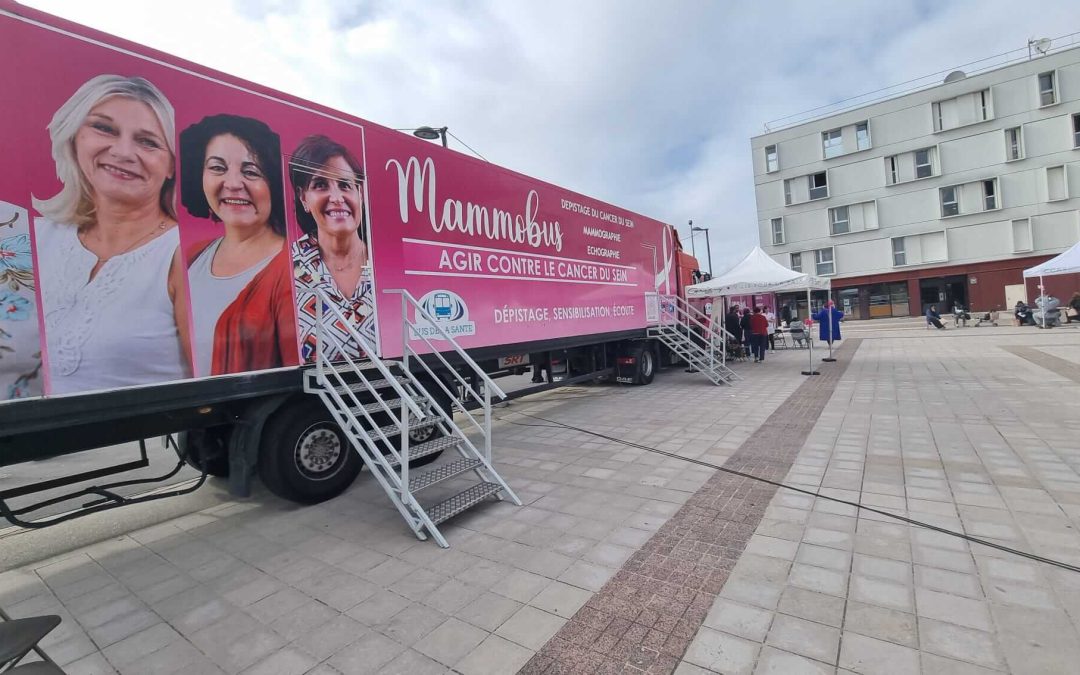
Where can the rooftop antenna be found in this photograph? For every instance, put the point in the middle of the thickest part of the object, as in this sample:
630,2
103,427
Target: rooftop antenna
1038,46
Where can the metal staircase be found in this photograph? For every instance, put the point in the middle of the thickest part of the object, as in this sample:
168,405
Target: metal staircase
382,406
688,332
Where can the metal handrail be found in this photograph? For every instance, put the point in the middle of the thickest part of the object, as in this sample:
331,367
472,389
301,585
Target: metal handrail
368,349
489,385
488,382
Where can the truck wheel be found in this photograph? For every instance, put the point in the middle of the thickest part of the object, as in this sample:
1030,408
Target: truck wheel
646,366
209,447
305,457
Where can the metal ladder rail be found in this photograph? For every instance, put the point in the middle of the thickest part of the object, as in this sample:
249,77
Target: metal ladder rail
683,316
677,343
701,357
331,373
374,458
489,385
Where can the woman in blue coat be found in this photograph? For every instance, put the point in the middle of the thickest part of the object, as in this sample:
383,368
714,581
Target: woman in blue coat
828,319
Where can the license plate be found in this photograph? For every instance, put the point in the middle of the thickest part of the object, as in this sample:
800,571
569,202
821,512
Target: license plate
511,361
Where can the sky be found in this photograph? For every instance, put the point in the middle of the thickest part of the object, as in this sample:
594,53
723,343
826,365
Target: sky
646,105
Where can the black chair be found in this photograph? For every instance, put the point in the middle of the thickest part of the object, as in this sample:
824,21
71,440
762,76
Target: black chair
19,636
36,668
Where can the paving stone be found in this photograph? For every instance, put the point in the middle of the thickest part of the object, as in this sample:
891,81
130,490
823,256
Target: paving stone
450,642
817,607
284,662
738,619
722,653
530,627
963,644
813,640
561,599
953,609
411,662
777,662
494,656
366,655
873,657
322,642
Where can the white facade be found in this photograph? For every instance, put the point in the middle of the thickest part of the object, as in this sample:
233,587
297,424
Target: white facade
985,168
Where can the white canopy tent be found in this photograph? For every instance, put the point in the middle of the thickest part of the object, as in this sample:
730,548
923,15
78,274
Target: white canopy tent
759,273
1066,263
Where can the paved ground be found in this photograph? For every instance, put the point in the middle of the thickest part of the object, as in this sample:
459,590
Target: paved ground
626,561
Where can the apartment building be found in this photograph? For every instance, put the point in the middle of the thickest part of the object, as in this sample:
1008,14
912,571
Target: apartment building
944,195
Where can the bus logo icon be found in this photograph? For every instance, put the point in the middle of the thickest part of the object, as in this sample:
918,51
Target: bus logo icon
446,310
441,305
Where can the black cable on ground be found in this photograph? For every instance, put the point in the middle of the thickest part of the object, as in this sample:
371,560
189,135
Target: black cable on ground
691,460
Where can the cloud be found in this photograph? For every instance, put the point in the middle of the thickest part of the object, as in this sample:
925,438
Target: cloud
647,106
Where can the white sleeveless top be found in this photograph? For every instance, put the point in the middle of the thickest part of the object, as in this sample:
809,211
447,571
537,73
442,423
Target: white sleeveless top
116,330
210,296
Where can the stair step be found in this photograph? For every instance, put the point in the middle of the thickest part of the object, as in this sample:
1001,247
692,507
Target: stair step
443,472
462,501
374,407
391,430
428,448
375,384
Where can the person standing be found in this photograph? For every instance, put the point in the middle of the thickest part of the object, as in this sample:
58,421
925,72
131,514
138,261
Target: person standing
828,318
744,323
772,328
759,333
733,324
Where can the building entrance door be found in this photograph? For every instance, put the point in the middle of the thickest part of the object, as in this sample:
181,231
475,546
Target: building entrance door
945,292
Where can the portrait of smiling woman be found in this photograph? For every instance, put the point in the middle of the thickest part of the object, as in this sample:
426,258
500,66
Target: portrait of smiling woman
241,296
331,256
108,247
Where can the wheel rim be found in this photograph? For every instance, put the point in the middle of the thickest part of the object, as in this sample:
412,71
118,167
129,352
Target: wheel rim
646,364
320,452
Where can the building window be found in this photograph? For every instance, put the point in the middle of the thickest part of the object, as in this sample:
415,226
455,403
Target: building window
777,231
892,170
1057,188
949,204
832,143
787,192
796,262
899,255
772,159
1076,130
839,223
819,185
1047,88
984,104
990,194
924,163
1014,144
1021,235
862,135
939,122
823,258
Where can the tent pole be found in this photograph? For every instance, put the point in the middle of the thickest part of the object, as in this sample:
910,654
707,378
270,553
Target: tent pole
809,336
1042,292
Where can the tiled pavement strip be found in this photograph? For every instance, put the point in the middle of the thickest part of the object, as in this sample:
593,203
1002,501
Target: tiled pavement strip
949,428
645,617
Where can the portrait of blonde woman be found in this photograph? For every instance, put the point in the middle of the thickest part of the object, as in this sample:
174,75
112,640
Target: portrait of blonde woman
331,256
110,270
240,280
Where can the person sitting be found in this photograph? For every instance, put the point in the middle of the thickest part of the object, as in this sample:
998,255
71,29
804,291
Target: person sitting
1072,310
933,318
960,315
1024,315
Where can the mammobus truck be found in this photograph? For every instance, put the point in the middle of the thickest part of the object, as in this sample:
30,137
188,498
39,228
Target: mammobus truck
272,281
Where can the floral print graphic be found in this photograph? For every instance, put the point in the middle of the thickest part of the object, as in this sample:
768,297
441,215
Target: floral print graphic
20,351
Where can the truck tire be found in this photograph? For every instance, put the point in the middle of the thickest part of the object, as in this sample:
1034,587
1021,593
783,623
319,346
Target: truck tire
304,456
209,447
646,365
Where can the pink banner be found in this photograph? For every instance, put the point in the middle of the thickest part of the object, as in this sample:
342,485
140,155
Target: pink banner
159,222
